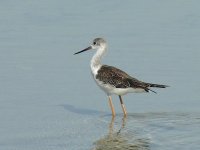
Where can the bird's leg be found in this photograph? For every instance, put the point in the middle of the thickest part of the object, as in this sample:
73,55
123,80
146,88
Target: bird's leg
111,127
111,106
123,106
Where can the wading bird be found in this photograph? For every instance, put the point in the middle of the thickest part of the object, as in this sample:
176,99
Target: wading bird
113,80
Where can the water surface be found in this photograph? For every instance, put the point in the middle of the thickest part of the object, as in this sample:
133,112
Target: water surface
47,95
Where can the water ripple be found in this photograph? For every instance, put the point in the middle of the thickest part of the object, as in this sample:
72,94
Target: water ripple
144,131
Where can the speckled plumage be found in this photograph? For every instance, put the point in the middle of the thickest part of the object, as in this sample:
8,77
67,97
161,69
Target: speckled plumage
120,79
113,80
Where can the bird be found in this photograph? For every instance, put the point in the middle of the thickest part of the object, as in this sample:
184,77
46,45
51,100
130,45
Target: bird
113,80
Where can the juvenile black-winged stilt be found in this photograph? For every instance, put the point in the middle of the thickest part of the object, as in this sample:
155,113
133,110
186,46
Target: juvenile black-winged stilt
113,80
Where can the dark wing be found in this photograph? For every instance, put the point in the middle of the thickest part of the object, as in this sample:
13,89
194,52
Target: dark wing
118,78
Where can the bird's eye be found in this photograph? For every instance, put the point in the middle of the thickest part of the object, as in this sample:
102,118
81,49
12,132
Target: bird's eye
94,43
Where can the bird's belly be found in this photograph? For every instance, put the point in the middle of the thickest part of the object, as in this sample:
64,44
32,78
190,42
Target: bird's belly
123,91
109,89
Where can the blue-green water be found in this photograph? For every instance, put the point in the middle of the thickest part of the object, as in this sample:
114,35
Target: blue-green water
49,99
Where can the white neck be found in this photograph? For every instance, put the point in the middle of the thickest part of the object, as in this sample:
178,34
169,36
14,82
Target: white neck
95,63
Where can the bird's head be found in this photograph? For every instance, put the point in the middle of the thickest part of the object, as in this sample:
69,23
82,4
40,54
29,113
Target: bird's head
98,43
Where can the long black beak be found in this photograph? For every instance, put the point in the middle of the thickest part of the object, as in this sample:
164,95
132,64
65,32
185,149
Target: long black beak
86,49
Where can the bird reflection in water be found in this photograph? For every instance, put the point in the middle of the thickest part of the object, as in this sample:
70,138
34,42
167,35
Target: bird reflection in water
121,139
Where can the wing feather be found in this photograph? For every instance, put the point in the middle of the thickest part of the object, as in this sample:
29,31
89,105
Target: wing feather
118,78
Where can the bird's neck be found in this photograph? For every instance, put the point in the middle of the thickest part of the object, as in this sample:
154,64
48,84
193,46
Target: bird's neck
96,60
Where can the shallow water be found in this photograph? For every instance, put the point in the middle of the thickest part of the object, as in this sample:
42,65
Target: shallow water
150,130
47,95
144,131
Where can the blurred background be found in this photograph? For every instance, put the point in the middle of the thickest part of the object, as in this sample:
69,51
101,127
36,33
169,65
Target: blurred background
48,97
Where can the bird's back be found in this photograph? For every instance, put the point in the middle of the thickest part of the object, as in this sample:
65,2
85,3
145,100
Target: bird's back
120,79
116,77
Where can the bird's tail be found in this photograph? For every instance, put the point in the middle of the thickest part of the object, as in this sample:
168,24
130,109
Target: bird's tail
157,85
